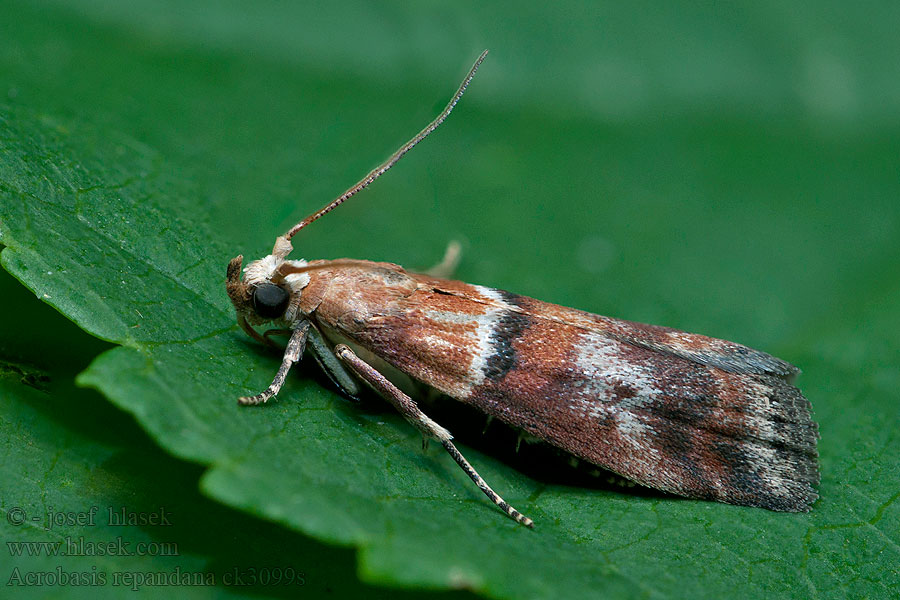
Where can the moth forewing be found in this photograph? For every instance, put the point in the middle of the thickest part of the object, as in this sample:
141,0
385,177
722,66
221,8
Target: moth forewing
679,412
684,413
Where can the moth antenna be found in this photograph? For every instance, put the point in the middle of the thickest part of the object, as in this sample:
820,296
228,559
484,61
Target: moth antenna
390,162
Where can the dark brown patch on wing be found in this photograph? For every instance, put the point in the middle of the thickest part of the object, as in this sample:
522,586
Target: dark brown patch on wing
508,328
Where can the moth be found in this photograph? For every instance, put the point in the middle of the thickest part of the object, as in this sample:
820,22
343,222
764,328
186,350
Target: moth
679,412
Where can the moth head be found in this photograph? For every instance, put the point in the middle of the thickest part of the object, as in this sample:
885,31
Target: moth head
265,293
270,288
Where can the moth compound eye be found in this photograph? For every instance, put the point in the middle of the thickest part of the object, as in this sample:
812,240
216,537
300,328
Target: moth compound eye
270,301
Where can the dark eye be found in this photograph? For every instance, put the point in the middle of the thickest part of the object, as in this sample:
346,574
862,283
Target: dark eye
270,301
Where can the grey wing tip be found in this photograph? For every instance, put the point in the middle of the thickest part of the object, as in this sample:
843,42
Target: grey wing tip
788,485
728,356
802,496
742,359
790,477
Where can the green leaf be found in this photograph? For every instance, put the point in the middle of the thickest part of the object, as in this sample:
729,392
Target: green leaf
74,471
709,191
71,466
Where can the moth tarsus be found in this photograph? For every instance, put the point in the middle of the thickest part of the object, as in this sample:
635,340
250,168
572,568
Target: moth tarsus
292,354
430,430
683,413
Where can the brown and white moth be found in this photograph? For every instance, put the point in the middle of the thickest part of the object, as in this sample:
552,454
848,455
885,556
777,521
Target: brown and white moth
684,413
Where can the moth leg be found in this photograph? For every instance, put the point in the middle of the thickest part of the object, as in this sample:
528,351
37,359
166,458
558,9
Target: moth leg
333,368
267,336
448,264
292,354
423,423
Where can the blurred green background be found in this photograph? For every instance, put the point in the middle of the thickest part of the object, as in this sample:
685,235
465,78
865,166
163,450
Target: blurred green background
729,169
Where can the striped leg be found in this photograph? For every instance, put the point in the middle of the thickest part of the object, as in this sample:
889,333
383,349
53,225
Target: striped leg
420,420
292,354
